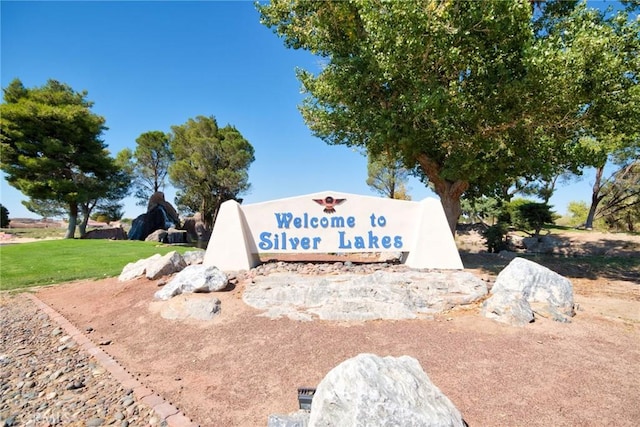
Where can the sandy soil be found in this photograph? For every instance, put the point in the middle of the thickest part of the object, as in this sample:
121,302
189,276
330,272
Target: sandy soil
241,367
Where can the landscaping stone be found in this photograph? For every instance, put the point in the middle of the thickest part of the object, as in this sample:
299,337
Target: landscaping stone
368,390
544,291
194,278
165,265
378,295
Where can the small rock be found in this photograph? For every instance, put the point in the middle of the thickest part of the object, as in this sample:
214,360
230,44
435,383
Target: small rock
95,422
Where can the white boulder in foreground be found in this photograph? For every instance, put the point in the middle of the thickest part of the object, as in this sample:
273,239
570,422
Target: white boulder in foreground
369,390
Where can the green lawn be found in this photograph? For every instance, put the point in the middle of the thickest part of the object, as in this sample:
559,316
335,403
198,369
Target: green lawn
58,261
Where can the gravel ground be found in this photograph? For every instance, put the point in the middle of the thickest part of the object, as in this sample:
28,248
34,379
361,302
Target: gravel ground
46,379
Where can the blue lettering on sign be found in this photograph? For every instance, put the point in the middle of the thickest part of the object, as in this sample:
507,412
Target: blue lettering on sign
372,241
287,220
280,241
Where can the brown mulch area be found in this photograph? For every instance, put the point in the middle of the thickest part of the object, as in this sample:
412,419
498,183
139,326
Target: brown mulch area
241,367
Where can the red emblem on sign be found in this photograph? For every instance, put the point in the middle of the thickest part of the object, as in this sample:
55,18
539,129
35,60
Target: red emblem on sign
328,203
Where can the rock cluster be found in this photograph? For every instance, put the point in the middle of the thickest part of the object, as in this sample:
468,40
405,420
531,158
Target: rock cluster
47,380
157,266
377,295
160,215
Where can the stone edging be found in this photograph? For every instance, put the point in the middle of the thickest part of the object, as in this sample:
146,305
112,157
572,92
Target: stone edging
165,410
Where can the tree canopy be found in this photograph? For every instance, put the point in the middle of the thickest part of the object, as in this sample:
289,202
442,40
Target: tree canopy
51,146
211,165
461,90
454,87
602,51
150,164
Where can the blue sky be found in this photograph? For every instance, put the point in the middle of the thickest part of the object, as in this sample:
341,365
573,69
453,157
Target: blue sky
150,65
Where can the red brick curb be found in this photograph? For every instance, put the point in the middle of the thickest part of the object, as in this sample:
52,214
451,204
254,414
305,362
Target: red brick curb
165,410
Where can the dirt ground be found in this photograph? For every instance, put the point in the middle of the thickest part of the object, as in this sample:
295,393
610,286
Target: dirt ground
241,367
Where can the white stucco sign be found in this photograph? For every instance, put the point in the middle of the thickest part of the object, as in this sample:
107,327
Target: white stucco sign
332,222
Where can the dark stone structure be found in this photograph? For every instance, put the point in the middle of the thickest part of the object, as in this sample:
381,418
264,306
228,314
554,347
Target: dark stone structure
161,215
114,233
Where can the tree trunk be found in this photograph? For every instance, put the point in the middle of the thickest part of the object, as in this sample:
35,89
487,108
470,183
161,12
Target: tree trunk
449,191
73,219
595,198
452,210
82,227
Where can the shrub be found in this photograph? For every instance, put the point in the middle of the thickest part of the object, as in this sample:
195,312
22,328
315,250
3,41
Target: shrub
533,216
527,216
496,237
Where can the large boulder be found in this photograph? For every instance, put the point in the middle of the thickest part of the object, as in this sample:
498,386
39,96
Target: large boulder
194,278
369,390
171,216
547,293
380,295
197,230
160,215
508,307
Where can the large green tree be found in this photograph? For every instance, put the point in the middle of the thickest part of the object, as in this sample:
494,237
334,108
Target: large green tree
603,53
150,164
458,89
51,145
211,166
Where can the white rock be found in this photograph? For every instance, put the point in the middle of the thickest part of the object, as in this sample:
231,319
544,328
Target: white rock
194,278
369,390
525,287
168,264
193,257
136,269
381,295
508,307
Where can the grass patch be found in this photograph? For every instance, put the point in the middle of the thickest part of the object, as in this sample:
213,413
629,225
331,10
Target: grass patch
58,261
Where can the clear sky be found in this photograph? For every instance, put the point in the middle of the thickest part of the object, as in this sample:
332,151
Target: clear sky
150,65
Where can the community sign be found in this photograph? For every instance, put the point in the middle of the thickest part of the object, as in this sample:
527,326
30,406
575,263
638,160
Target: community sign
332,222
